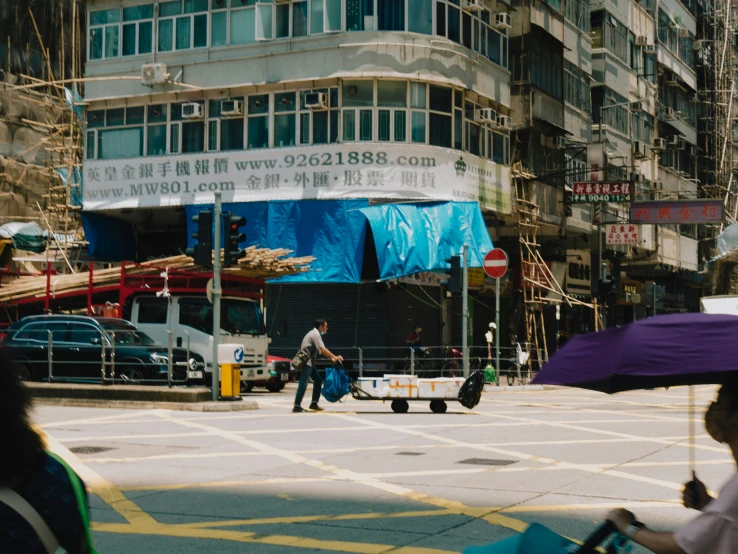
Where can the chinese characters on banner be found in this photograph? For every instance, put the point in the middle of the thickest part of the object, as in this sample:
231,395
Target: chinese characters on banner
677,212
339,171
601,192
623,233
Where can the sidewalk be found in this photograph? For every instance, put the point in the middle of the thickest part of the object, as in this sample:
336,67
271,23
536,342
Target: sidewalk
134,396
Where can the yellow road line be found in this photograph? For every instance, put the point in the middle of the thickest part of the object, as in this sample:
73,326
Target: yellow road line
255,538
309,519
221,484
107,491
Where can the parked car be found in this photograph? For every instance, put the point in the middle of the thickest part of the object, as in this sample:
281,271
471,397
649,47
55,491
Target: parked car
78,344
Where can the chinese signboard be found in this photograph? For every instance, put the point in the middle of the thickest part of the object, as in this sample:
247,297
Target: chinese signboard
623,233
602,192
579,274
313,172
676,212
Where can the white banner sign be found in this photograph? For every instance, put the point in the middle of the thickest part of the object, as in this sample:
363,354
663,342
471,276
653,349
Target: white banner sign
623,233
323,172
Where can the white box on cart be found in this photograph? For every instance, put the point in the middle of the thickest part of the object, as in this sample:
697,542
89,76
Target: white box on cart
453,385
432,388
377,388
402,386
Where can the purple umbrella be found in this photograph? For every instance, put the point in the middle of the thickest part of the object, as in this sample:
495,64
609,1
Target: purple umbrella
663,351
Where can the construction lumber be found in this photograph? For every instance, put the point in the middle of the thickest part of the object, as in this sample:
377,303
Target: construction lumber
256,263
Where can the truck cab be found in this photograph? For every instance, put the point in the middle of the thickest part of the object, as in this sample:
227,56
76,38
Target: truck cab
725,304
189,319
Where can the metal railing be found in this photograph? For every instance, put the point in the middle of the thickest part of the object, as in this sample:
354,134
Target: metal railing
105,358
432,361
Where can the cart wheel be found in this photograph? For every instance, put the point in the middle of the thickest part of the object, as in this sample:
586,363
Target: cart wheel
400,406
510,379
438,406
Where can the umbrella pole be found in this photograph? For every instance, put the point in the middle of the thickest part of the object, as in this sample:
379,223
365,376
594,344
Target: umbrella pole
691,432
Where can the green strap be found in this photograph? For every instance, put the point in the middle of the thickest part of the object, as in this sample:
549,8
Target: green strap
79,493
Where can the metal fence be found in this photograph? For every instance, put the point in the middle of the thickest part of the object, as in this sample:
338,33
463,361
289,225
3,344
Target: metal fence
107,357
434,361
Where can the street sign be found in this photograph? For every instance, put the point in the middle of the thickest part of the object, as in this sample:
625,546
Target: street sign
594,191
495,263
708,210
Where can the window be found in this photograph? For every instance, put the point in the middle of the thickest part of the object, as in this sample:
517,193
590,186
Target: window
153,310
104,32
123,136
360,15
299,19
616,117
285,116
243,21
391,15
258,121
138,30
382,110
357,94
186,136
82,333
421,20
219,23
225,131
319,126
39,332
576,88
577,11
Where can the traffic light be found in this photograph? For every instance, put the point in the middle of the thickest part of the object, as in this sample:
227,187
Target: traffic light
233,236
454,281
202,251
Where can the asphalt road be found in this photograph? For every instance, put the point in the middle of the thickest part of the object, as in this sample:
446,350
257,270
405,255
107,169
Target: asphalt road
359,478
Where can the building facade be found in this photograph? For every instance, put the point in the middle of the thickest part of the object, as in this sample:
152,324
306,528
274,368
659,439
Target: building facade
332,100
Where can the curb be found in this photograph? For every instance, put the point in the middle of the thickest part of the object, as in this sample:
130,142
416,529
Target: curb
244,405
525,388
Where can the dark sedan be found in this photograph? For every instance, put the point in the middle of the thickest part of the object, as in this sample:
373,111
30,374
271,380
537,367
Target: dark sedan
81,348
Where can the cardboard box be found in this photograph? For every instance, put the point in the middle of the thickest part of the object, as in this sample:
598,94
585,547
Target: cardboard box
373,386
402,386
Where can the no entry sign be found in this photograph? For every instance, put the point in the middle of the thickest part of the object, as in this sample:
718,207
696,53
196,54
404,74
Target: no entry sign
495,263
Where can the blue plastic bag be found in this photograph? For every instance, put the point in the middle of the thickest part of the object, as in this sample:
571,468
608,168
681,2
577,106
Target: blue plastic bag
537,539
337,384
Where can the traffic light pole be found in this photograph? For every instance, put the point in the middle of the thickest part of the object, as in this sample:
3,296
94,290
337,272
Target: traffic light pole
216,294
465,310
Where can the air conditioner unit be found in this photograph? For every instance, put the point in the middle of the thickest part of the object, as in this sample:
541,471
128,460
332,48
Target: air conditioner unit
681,145
641,40
672,80
191,110
154,74
504,121
473,5
659,144
672,140
638,106
486,115
692,150
317,101
560,142
670,114
683,32
639,149
231,107
650,49
698,45
503,21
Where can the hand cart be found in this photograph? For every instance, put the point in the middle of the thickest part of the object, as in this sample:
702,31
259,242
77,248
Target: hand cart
401,405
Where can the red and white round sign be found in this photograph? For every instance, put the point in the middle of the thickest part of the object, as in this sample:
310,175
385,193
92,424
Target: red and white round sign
495,263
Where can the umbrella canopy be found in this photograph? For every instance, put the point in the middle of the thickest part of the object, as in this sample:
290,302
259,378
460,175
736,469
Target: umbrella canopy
662,351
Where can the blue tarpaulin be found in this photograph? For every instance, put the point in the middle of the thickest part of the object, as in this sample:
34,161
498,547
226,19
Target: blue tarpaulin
110,239
412,238
331,231
409,238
